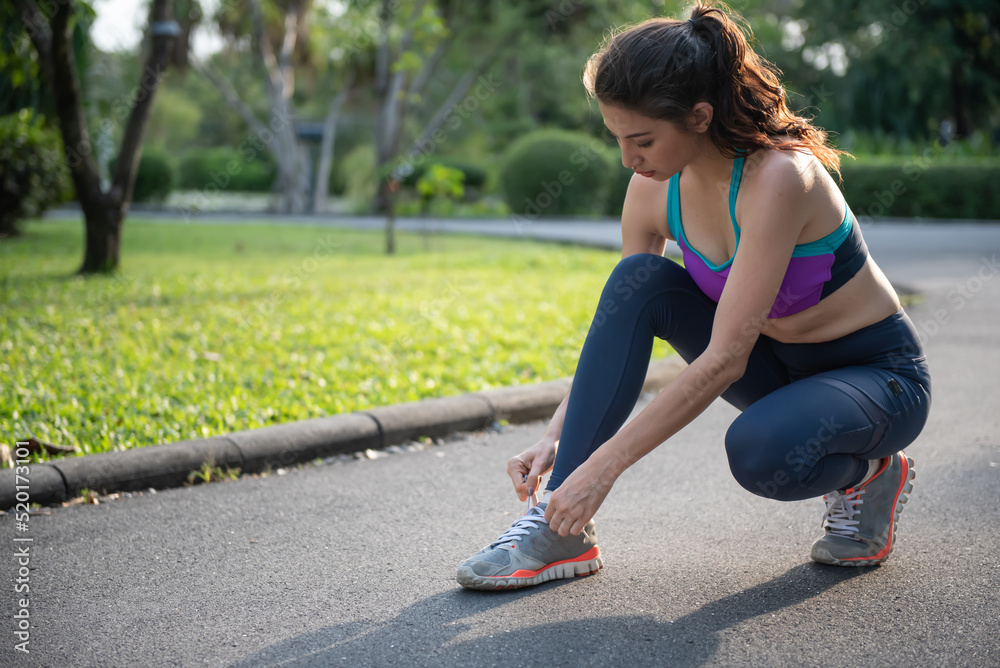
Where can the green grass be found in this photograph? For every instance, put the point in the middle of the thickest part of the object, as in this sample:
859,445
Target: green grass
210,329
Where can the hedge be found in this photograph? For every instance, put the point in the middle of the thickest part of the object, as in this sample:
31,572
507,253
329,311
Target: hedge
922,187
154,178
227,169
556,173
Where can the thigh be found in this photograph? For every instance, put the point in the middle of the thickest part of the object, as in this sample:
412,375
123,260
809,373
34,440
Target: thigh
867,412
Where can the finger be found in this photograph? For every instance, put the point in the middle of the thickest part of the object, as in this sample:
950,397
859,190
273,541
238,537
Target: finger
535,476
517,469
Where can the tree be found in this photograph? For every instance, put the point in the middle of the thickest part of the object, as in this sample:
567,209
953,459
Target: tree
103,210
903,67
280,42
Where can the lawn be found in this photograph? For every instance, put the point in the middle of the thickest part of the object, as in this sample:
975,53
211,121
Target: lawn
210,329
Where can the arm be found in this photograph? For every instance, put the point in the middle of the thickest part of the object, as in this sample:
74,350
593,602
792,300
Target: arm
643,214
555,424
526,469
766,243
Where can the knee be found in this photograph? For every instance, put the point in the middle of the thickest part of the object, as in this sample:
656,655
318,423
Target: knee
754,449
639,274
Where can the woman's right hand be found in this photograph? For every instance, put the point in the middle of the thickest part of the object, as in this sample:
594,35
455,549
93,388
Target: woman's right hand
532,464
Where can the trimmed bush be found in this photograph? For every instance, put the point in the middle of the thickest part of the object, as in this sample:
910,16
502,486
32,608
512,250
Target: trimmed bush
227,169
923,187
33,175
556,173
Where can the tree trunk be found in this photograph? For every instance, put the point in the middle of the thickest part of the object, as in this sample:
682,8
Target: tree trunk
102,246
103,212
321,189
962,125
390,219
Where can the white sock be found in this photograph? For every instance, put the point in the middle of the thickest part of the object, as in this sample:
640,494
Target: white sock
546,496
873,466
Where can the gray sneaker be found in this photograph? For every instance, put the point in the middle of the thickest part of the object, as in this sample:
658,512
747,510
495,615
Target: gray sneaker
856,537
530,553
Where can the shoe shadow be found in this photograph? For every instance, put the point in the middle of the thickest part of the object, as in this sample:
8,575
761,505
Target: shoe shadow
441,630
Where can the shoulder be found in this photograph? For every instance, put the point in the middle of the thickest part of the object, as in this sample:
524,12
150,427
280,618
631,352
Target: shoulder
645,207
790,172
781,181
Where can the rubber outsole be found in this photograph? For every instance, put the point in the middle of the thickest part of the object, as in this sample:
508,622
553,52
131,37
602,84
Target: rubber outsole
823,556
562,571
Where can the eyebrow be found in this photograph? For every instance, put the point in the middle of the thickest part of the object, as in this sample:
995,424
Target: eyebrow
634,134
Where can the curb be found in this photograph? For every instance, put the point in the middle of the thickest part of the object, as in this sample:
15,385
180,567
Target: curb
252,451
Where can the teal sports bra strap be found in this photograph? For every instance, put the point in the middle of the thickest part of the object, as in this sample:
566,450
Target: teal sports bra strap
734,188
673,206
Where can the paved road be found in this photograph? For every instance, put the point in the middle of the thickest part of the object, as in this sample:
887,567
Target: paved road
352,563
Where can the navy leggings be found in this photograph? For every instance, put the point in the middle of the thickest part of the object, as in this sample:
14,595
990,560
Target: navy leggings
812,413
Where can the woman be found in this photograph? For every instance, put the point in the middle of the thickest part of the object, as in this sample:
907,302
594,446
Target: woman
778,309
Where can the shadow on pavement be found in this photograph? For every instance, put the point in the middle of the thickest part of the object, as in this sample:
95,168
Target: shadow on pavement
441,630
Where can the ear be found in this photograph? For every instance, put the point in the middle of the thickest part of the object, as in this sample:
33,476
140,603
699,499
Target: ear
701,117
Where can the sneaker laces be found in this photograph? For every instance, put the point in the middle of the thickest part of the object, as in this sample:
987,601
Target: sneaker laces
840,511
534,516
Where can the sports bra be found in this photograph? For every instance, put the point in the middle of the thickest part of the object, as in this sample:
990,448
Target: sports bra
816,269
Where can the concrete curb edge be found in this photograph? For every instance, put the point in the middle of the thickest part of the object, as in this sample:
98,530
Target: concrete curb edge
169,464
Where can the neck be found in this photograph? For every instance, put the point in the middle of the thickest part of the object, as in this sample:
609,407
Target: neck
709,166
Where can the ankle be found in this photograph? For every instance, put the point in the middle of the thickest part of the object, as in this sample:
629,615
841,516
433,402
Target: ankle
873,467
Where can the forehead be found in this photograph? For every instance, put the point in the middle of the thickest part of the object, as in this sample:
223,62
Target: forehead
622,121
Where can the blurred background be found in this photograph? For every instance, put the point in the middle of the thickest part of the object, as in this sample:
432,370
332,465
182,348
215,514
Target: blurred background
297,117
323,106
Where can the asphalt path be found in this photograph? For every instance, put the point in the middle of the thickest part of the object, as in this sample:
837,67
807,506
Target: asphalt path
353,562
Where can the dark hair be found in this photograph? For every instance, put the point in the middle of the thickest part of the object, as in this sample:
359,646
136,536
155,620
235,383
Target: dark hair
662,67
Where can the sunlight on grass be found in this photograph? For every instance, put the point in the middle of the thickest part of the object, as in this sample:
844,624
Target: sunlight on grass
216,328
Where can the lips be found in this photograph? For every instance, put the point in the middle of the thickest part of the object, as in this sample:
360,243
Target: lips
646,174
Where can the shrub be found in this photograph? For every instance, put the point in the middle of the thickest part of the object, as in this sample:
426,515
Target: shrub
33,175
555,173
227,169
474,175
154,178
923,187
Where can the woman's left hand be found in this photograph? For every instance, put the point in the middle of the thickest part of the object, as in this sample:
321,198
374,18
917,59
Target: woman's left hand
577,500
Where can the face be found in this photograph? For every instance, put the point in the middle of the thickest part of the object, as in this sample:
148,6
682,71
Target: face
653,148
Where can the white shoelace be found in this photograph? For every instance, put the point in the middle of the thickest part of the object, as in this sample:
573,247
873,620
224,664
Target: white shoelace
840,511
532,518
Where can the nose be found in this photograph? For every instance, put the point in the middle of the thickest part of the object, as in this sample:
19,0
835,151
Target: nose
629,160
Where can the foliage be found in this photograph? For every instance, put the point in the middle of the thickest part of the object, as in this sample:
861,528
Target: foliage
154,178
902,68
927,185
228,169
555,173
211,329
209,471
21,81
473,175
33,175
441,181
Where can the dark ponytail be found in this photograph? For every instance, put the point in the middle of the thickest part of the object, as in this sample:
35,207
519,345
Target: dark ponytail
661,68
